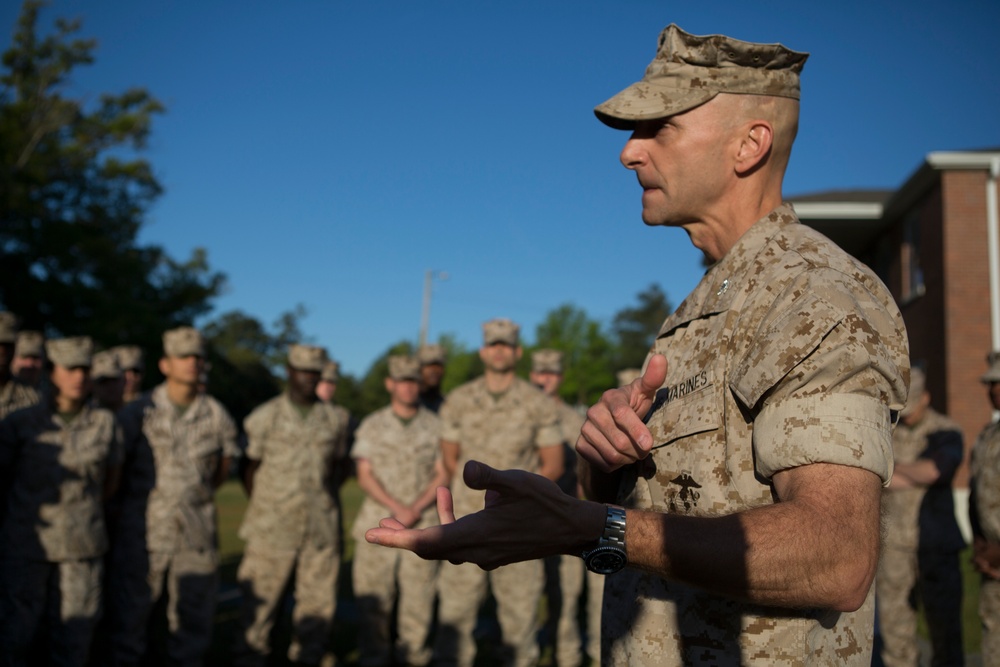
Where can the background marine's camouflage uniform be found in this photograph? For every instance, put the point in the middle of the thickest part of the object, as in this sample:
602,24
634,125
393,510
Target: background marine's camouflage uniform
166,530
985,510
921,547
53,532
292,525
402,456
504,432
786,353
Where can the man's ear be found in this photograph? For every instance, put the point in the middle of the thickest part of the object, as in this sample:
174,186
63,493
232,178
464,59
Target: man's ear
754,146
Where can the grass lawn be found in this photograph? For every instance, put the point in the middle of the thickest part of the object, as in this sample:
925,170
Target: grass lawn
231,503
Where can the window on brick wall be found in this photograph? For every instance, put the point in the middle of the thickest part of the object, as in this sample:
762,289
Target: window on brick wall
913,274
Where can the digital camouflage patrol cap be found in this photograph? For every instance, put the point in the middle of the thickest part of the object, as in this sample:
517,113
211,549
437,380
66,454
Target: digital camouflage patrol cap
500,330
183,342
431,354
689,70
73,352
330,372
9,324
29,344
105,366
130,357
993,374
918,385
307,357
402,367
546,361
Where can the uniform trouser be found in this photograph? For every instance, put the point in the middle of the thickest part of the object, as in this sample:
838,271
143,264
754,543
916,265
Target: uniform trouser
935,579
595,600
65,596
462,589
563,586
190,581
989,614
264,576
379,574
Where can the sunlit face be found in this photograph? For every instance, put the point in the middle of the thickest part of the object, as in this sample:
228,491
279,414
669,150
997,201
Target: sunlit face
678,162
325,390
499,357
72,383
547,382
182,370
404,392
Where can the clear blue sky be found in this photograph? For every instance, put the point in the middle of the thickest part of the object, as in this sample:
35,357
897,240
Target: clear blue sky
329,153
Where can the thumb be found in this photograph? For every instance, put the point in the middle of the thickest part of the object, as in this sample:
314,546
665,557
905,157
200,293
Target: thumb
477,475
655,374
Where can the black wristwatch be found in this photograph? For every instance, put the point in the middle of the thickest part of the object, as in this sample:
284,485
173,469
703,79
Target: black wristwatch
609,555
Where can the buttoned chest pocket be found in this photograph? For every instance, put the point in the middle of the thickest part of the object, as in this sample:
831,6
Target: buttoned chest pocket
205,452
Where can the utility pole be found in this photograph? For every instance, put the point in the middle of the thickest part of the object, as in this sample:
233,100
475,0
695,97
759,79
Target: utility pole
425,315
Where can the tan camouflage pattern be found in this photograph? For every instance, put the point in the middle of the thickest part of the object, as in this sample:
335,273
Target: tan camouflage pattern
504,432
55,508
9,324
190,580
992,374
787,353
307,357
330,372
500,330
168,489
896,579
263,577
595,602
15,395
380,575
183,342
130,357
547,361
70,352
517,589
989,614
105,366
402,367
402,456
689,70
985,471
431,354
29,344
62,597
901,507
295,497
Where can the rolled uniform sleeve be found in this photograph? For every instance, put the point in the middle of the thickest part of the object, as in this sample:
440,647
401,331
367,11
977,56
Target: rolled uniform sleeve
827,393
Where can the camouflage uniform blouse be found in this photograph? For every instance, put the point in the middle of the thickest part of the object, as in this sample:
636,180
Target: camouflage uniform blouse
924,517
171,461
55,508
402,457
985,468
16,395
786,353
502,431
295,489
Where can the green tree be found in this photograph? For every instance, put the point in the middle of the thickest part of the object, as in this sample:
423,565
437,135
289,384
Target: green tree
73,195
587,353
635,327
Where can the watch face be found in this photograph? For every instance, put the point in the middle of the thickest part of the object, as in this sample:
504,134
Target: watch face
605,560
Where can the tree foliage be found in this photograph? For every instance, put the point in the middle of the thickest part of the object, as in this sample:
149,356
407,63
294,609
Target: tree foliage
73,195
587,353
635,327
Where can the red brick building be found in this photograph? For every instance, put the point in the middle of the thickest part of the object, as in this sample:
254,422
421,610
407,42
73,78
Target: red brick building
934,243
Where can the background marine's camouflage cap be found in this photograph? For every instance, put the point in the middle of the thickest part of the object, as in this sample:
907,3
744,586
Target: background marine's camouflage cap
70,352
689,70
130,357
431,354
9,325
993,374
183,342
307,358
546,361
105,366
29,344
330,372
500,330
402,367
